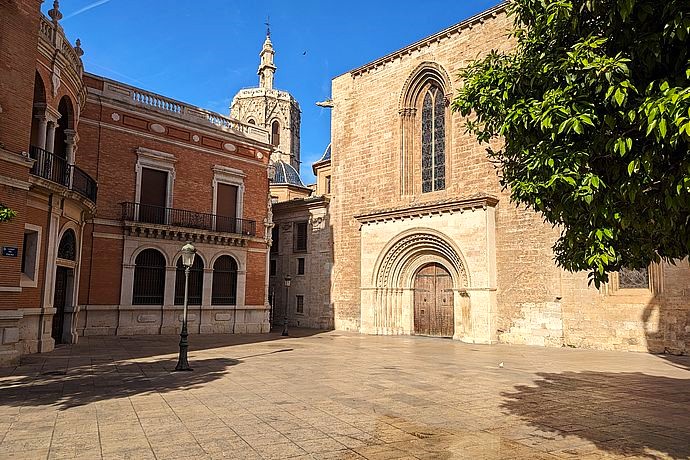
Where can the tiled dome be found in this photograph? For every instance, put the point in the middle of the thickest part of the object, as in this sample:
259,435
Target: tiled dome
286,174
326,155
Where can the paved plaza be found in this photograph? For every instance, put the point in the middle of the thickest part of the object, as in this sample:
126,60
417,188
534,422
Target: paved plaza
337,395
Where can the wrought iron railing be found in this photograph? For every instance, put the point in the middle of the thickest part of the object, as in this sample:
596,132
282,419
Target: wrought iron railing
138,212
56,169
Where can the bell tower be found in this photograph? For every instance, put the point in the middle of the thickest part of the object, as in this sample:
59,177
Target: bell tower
272,109
267,69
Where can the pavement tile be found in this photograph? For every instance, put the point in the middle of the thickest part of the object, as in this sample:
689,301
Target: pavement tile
342,396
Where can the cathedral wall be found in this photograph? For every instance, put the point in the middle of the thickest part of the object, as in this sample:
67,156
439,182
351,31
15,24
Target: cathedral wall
366,143
537,303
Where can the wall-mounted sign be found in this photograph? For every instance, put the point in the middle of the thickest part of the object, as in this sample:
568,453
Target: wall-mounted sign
9,251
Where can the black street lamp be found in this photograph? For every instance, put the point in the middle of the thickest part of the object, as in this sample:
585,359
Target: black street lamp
188,253
287,302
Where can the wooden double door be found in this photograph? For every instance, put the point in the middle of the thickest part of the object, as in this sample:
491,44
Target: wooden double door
433,302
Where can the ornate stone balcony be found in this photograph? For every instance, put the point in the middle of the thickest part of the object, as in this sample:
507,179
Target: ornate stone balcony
181,224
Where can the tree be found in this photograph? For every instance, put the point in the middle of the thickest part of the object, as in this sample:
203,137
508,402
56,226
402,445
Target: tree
593,107
6,213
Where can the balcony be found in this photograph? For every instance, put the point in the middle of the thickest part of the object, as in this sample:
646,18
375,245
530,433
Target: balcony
56,169
157,221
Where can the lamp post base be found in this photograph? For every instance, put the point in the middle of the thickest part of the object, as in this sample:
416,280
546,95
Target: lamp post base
182,363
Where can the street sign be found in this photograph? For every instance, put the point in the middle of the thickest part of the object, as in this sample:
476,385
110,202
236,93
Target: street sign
9,251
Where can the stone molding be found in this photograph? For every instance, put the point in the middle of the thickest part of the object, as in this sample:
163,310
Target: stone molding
423,209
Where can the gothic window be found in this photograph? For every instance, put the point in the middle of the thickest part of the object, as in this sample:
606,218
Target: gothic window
196,282
224,291
633,278
68,246
433,141
275,133
149,278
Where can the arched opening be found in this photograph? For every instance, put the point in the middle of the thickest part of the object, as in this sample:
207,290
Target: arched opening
196,282
64,123
63,294
149,278
275,133
39,106
251,121
424,128
68,246
433,301
224,291
420,269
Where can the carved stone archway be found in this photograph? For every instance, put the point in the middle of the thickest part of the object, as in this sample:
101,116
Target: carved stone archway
393,297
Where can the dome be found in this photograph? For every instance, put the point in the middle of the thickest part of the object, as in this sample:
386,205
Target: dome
286,174
326,155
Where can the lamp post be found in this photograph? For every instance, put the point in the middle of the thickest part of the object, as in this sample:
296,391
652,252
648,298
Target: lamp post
188,253
287,302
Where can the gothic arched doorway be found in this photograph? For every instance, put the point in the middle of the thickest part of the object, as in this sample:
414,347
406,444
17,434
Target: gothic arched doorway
433,301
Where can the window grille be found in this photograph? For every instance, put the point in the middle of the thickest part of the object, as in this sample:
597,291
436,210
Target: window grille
299,304
149,278
224,291
633,278
196,282
68,246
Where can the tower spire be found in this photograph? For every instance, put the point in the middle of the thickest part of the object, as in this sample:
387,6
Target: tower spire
266,67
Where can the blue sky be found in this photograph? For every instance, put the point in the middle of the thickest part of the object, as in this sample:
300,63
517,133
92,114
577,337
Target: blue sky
202,52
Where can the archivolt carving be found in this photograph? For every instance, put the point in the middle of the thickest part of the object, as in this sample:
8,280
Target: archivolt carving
422,244
424,73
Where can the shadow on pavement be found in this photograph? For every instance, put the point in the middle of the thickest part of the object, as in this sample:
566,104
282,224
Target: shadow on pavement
144,346
621,413
83,385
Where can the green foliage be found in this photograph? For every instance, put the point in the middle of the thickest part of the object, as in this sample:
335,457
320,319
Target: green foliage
593,106
6,213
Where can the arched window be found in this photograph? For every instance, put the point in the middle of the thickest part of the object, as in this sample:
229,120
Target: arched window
433,140
149,278
251,121
224,290
275,133
68,246
196,282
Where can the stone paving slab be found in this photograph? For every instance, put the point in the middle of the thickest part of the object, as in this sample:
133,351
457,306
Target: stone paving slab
335,395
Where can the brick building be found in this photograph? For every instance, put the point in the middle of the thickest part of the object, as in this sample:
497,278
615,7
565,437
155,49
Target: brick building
109,182
425,240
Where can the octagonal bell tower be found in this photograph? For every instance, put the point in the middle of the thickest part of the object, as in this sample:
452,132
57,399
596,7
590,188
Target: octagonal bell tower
272,109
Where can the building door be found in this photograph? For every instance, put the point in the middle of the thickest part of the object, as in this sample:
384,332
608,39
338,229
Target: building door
62,277
226,208
154,196
433,302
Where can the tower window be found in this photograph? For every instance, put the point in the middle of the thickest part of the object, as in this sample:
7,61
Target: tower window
433,141
275,133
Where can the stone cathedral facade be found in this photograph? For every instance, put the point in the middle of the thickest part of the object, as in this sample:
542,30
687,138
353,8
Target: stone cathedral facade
426,241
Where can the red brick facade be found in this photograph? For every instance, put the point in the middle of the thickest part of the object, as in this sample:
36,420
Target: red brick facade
64,132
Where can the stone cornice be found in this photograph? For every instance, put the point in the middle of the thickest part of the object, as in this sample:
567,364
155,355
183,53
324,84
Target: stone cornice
149,102
438,36
425,209
308,203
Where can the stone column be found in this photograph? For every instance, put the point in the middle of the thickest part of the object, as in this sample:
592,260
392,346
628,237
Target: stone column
50,137
42,131
70,144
